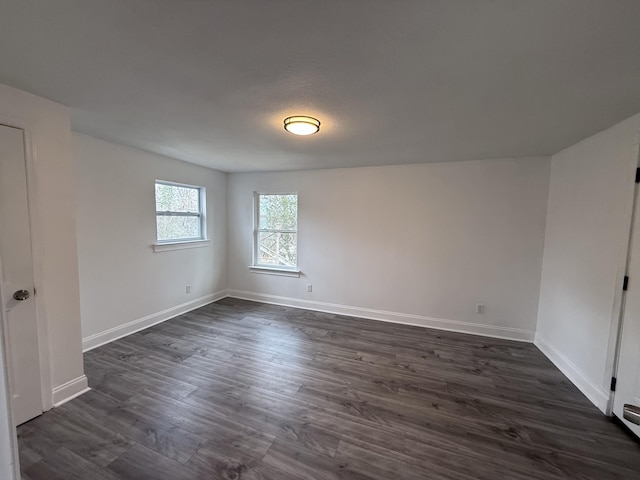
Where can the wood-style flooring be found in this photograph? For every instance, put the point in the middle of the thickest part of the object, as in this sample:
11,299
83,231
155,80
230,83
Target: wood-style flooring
242,390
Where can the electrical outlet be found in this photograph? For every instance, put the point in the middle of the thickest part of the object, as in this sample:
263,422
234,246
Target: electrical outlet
188,288
480,308
309,287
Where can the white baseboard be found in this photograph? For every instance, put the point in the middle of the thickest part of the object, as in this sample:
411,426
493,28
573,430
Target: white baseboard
393,317
70,390
102,338
596,395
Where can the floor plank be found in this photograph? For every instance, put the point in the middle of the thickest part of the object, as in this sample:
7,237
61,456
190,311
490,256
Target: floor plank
243,390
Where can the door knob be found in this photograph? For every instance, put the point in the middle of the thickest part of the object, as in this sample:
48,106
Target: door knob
21,295
632,413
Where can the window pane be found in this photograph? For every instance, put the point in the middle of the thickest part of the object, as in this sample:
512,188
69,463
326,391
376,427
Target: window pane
278,212
276,248
172,198
176,228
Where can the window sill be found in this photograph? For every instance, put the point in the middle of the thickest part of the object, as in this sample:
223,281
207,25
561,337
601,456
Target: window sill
283,272
166,246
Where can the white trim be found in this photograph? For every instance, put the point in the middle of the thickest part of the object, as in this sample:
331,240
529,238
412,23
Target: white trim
9,461
256,233
596,395
202,214
618,309
180,245
178,184
392,317
283,272
70,390
102,338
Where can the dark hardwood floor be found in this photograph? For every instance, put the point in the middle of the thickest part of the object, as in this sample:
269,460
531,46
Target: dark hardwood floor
242,390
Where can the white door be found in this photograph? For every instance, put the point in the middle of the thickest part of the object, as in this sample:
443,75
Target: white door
21,329
626,401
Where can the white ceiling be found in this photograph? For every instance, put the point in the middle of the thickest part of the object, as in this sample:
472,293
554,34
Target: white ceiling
392,82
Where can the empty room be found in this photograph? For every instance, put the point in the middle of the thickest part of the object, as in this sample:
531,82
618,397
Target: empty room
285,239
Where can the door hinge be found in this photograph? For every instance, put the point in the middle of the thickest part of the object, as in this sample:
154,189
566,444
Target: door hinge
625,283
637,175
614,380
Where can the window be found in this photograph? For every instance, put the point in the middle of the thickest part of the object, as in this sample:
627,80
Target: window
275,236
179,212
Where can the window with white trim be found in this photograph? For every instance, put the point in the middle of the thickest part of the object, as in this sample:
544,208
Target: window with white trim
275,233
180,212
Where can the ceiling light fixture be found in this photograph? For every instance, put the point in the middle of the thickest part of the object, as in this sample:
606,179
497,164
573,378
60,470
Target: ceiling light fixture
301,125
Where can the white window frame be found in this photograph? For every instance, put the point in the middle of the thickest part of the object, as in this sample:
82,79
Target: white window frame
189,242
257,267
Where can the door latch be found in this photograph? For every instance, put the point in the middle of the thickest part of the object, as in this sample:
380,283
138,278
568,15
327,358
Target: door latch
21,295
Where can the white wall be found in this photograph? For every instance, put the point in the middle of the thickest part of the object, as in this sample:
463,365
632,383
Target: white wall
51,184
125,285
589,211
420,244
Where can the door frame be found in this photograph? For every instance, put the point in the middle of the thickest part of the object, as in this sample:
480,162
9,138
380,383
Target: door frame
615,336
37,244
9,435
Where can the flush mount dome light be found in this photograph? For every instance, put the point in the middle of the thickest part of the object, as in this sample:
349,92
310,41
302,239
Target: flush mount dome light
301,125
